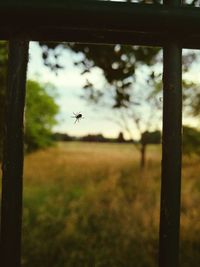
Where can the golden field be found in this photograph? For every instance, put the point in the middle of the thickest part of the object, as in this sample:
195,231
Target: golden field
90,205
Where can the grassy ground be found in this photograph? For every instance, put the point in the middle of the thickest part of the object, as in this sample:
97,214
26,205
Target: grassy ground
89,205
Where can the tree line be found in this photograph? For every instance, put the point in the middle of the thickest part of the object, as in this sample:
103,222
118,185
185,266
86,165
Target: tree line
136,101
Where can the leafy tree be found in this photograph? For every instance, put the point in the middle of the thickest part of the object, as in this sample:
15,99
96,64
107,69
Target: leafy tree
191,140
41,108
120,65
41,111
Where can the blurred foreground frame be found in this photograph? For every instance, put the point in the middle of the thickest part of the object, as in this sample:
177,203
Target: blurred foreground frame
104,22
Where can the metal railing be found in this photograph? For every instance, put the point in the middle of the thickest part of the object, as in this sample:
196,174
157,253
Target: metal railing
96,22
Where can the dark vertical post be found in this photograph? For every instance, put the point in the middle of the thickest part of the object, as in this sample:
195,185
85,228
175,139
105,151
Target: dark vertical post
171,153
11,210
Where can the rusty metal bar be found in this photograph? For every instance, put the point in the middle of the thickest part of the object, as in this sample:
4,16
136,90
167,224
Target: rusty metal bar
11,209
108,15
171,152
60,20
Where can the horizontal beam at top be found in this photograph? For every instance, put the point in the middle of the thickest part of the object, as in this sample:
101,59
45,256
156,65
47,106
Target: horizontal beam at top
100,22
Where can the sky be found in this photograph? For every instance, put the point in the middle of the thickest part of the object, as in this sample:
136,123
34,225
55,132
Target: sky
69,83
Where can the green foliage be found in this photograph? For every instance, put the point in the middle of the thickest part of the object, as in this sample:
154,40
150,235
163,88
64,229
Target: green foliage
191,140
41,110
118,63
191,98
151,137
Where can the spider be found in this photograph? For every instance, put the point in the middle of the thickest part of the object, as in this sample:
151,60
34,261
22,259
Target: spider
77,116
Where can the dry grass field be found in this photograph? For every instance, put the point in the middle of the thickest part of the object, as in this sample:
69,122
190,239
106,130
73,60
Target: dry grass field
89,205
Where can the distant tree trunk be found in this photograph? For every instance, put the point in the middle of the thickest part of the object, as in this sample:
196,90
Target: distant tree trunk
143,156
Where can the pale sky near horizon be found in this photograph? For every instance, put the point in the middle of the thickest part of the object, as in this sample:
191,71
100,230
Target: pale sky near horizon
69,83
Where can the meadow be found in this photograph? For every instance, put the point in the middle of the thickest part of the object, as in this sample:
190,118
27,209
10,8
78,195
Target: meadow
90,205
